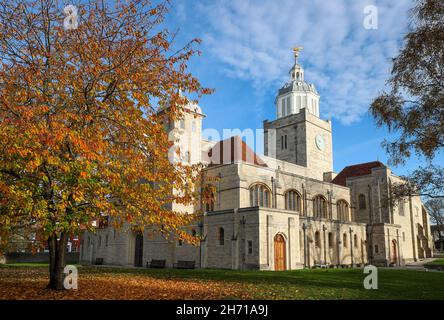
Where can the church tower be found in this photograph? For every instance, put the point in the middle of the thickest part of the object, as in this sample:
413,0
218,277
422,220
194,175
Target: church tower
299,135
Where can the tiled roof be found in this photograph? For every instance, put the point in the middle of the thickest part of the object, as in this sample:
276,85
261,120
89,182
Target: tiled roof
356,171
233,150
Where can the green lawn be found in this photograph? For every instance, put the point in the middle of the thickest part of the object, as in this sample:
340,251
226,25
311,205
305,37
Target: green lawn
315,284
298,284
437,262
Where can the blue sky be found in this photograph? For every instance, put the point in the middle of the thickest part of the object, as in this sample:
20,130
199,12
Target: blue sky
246,55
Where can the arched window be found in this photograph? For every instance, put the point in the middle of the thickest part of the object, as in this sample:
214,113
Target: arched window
209,206
355,240
343,211
317,239
320,207
259,196
362,202
401,207
330,240
344,240
221,236
293,201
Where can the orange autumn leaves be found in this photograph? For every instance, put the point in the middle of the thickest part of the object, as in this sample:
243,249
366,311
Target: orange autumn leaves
29,284
80,135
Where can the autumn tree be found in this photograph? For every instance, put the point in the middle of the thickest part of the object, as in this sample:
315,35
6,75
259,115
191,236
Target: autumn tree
80,131
414,106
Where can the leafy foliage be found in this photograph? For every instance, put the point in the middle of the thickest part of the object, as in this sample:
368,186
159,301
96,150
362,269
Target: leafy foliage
80,132
415,105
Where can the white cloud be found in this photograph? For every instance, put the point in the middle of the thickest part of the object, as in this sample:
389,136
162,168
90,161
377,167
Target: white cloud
348,64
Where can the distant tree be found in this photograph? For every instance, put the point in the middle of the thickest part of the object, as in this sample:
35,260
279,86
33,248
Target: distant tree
436,210
80,133
414,107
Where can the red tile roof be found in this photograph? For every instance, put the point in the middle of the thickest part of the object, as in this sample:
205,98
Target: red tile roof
233,150
356,171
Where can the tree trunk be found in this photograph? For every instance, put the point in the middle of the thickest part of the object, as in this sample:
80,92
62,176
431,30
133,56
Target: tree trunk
57,260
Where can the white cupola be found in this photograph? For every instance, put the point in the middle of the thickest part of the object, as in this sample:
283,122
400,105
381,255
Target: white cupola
297,94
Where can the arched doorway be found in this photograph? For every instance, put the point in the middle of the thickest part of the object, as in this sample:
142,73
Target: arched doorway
394,251
138,254
279,253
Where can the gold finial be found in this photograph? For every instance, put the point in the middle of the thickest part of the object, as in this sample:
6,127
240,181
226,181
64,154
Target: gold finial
296,51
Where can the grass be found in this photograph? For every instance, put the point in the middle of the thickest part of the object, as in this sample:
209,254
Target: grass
437,262
297,284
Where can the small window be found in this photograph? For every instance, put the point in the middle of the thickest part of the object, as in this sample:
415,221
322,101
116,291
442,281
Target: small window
317,239
355,240
250,247
401,207
221,236
330,240
282,142
376,248
362,202
285,142
180,243
193,232
344,240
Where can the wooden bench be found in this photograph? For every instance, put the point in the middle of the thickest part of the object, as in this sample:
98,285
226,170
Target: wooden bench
159,264
182,264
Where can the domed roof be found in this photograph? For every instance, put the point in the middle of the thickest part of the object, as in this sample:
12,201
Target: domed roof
298,86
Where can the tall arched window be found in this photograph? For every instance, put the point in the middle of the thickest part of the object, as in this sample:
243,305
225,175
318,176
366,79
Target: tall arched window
343,210
319,207
362,203
355,240
221,236
293,201
259,196
344,240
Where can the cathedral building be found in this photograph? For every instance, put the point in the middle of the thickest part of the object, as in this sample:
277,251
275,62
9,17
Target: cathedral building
284,210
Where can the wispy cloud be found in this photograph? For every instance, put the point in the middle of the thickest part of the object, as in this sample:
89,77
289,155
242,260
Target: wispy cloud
348,63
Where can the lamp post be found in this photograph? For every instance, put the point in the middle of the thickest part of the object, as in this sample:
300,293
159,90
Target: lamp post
243,222
304,228
324,228
351,246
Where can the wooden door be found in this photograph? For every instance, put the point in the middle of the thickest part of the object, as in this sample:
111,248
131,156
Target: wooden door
138,255
279,253
394,252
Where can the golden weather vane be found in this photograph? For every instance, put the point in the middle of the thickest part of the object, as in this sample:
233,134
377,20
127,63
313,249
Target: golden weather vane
296,51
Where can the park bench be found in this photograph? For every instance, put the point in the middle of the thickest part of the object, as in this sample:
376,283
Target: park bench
182,264
159,264
321,264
